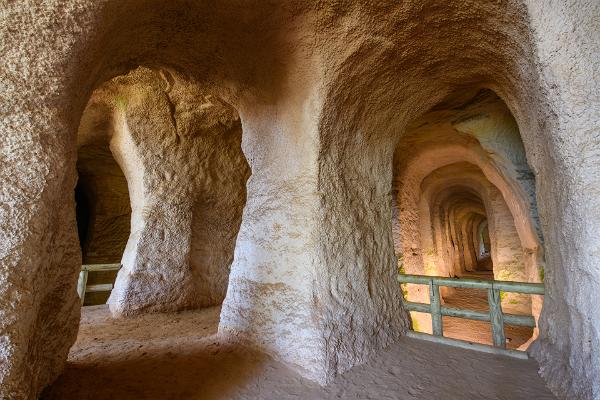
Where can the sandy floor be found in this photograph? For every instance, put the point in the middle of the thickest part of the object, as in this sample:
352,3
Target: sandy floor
178,356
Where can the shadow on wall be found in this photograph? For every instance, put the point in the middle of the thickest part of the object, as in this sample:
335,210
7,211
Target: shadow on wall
484,246
102,200
471,129
382,73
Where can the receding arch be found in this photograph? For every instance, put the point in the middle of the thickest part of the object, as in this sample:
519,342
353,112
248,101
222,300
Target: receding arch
102,198
363,82
472,128
179,147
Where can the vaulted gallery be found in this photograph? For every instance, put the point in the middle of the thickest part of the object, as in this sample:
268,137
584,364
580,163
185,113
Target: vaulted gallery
460,172
326,200
176,148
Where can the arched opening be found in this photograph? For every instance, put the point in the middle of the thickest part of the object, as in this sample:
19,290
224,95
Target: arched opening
179,147
466,201
457,210
325,93
102,202
161,190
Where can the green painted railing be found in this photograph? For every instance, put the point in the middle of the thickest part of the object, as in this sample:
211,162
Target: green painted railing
495,314
83,287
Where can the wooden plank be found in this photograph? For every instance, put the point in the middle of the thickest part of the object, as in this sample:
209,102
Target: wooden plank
465,283
463,344
519,320
519,287
506,286
418,307
81,285
509,319
496,318
436,313
101,287
445,281
417,279
467,314
100,267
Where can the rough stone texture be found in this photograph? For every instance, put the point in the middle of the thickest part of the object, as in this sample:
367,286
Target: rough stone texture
102,197
473,128
180,148
325,91
103,207
566,37
479,130
453,196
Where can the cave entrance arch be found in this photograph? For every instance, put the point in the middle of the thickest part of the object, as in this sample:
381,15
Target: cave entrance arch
102,201
458,168
175,146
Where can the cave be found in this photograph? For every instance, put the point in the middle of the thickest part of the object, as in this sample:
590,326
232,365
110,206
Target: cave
176,147
266,173
467,166
102,204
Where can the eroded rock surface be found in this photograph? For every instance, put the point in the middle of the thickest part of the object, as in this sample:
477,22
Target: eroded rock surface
180,149
325,92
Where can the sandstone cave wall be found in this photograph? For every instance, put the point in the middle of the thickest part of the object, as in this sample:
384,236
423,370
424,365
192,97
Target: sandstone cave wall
105,189
180,148
479,130
324,92
453,200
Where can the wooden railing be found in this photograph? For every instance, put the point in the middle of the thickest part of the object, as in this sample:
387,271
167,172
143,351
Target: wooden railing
495,314
83,287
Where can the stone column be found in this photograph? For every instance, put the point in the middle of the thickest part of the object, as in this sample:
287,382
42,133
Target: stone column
313,280
156,273
507,252
469,247
568,196
272,300
179,148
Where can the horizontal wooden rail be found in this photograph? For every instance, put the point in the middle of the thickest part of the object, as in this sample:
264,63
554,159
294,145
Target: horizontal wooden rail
495,315
464,344
505,286
509,319
100,267
101,287
83,287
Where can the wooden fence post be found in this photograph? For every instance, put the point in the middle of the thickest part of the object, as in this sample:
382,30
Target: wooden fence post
81,284
496,318
436,309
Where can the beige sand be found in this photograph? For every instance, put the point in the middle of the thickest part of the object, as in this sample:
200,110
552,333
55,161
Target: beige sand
178,356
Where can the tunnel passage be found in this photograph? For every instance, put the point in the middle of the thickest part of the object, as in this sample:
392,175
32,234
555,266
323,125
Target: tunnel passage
483,246
458,211
176,148
102,199
466,206
354,79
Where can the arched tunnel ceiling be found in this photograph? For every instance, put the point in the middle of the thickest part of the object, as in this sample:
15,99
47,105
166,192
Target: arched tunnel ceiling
475,133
